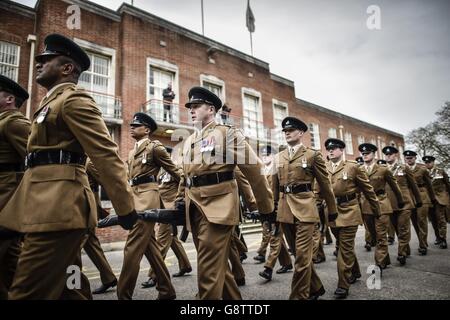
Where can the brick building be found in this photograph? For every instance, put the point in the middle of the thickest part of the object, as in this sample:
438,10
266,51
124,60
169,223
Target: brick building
136,54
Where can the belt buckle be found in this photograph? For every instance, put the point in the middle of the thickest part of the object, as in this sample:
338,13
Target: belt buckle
188,182
217,178
288,189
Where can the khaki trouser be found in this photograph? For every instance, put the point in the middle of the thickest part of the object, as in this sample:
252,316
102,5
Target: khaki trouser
420,223
94,250
289,235
369,225
347,263
278,250
9,255
166,240
213,243
318,244
42,269
391,231
439,214
400,219
262,250
235,258
305,280
141,239
382,251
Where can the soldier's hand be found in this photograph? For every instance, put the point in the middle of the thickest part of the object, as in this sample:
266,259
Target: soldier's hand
127,222
401,205
332,216
419,204
270,218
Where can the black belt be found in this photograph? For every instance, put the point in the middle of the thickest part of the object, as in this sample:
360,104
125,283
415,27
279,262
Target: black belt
45,157
306,187
209,179
347,198
11,167
421,185
141,180
380,192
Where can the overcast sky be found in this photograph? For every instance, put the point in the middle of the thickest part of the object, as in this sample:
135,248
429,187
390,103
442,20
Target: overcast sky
396,77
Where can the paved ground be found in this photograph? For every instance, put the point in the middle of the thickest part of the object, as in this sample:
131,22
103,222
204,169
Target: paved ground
423,277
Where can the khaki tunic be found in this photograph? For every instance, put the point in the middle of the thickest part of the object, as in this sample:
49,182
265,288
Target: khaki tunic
423,180
407,185
441,186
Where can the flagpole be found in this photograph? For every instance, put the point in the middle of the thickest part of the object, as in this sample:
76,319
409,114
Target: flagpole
203,20
251,43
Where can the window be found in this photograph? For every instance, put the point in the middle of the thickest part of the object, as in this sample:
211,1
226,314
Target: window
332,133
373,141
315,135
9,60
348,143
361,140
214,85
214,88
159,74
253,126
280,111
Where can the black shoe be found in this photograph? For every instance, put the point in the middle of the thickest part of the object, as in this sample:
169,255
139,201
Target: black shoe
319,260
353,278
182,272
335,252
423,251
316,295
260,258
443,244
437,242
368,247
105,287
402,260
391,241
284,269
240,282
266,274
341,293
149,283
329,242
243,257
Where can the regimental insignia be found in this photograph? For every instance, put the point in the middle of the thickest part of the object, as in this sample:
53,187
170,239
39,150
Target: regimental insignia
344,175
364,148
43,114
144,158
400,172
304,163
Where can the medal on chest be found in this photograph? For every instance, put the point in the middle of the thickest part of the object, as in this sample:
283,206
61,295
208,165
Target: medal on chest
208,144
42,115
144,158
344,175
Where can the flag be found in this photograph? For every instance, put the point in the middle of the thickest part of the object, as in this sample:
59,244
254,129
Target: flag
250,18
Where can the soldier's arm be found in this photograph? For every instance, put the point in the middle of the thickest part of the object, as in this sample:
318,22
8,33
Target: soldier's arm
17,132
322,178
85,121
162,159
412,184
246,190
429,185
275,180
251,166
364,186
392,182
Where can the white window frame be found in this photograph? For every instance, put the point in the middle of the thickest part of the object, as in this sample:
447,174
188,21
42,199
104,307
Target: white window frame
18,60
104,51
361,140
216,81
335,133
313,135
348,143
256,94
280,138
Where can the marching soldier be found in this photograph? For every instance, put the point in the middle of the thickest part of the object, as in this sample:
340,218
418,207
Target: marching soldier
144,164
380,177
14,131
419,216
348,179
441,188
210,156
401,217
297,167
278,249
166,235
67,126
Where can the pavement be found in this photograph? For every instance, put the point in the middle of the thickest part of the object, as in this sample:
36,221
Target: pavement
423,277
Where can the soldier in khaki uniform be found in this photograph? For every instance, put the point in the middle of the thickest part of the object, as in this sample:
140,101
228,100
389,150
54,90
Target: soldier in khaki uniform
419,216
401,218
348,179
210,191
145,161
296,168
14,131
166,236
67,126
441,188
380,177
278,249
